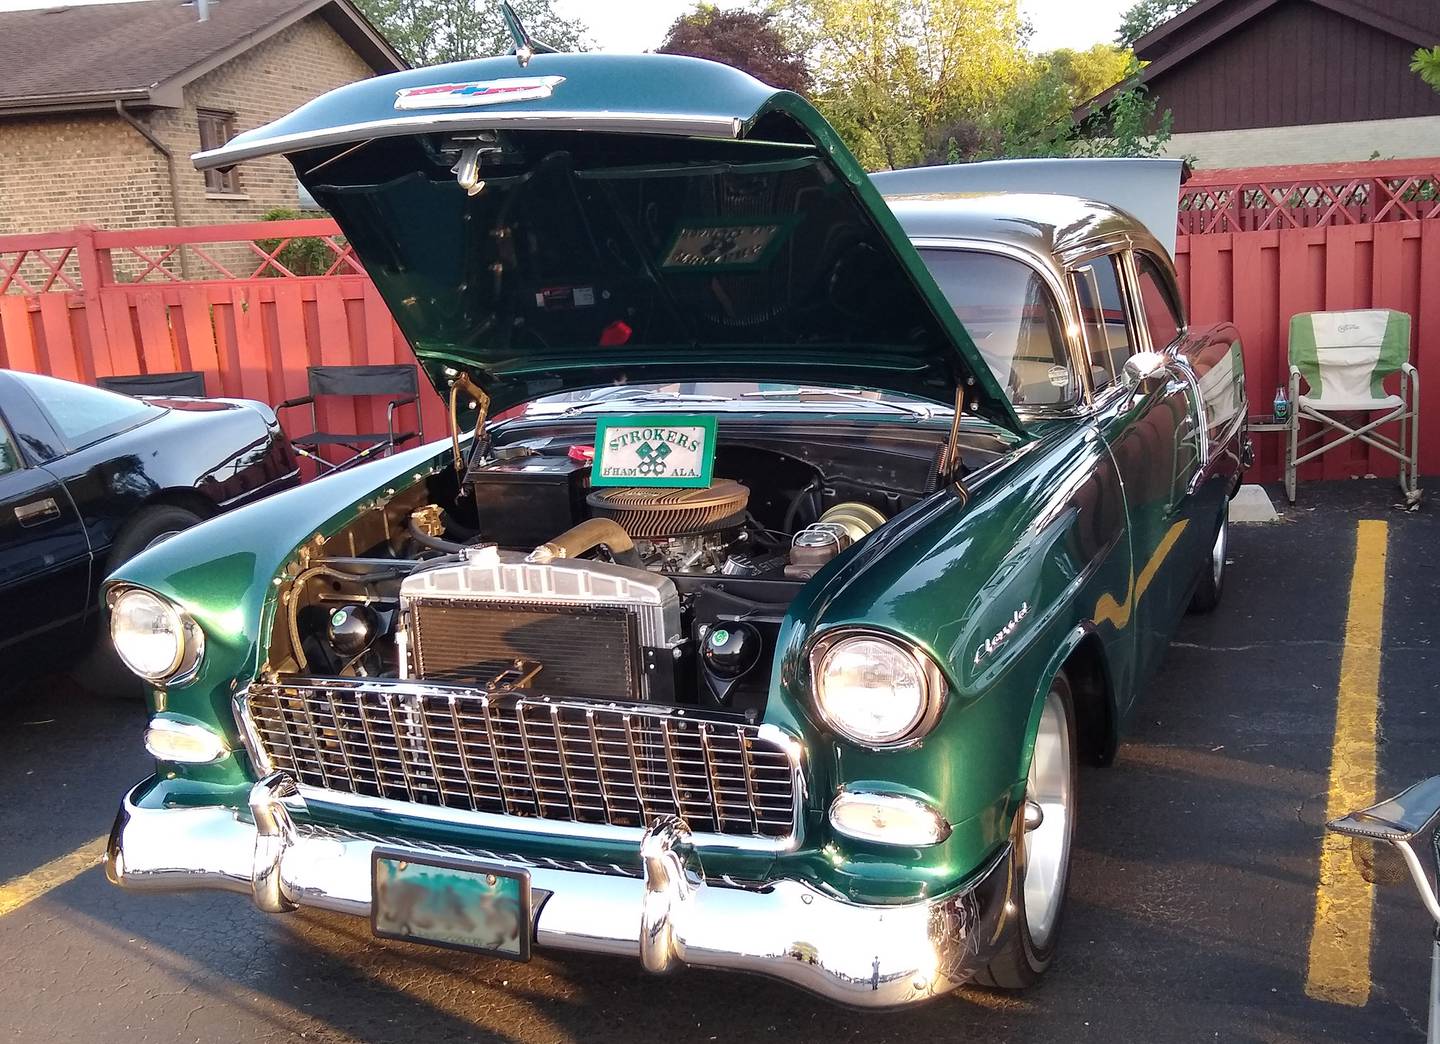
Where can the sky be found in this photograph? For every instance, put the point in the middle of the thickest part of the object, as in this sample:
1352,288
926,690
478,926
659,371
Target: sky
639,25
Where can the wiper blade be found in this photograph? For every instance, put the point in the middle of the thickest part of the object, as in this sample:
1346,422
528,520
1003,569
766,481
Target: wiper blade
849,398
651,398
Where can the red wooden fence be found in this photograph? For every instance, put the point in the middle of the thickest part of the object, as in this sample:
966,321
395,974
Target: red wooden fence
252,328
1260,199
85,303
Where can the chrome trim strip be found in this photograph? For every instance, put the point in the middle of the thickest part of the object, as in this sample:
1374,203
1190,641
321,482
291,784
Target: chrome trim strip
320,798
668,124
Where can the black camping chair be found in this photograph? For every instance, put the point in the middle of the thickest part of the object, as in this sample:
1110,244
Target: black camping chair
400,383
188,383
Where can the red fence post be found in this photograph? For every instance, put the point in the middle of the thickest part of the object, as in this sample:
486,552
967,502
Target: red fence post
92,278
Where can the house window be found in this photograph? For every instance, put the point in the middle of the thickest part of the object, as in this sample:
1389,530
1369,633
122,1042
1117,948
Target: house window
216,128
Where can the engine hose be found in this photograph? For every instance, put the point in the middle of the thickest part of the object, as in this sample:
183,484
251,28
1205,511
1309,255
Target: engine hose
451,526
587,536
792,512
434,543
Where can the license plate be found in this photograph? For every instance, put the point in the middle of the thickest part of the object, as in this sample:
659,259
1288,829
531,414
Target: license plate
455,903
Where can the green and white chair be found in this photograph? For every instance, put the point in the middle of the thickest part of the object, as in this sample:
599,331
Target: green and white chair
1344,359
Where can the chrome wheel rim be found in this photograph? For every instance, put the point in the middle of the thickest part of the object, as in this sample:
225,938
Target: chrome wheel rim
1217,551
1047,846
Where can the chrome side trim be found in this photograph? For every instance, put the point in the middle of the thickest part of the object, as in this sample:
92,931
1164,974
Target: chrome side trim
669,124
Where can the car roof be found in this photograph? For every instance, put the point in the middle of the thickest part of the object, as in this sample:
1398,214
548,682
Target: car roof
1047,226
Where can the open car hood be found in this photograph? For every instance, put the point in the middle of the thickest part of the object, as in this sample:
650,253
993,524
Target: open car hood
632,219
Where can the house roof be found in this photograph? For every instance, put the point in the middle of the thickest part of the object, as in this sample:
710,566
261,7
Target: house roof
1189,33
143,53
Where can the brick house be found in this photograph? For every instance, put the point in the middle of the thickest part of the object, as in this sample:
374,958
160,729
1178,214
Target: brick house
102,105
1263,82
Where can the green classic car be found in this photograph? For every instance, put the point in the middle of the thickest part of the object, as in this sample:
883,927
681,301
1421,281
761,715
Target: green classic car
798,534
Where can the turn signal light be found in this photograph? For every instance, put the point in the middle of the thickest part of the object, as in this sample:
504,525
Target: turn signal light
888,819
188,744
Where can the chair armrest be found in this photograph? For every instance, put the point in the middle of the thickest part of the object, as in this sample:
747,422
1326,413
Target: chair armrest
1410,371
304,400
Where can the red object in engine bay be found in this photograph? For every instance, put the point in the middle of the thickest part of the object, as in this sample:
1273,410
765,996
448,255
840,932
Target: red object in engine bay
583,454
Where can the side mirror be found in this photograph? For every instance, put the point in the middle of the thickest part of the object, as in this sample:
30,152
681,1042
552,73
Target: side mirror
1401,830
1146,372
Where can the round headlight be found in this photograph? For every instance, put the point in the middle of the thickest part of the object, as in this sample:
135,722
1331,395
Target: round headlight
875,691
152,637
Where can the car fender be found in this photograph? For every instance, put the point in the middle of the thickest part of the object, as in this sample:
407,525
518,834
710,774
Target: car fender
999,584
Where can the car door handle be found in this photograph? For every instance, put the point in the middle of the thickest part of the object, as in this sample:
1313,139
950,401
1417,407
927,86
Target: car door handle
38,512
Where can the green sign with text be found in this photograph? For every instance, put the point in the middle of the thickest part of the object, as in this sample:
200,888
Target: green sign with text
655,450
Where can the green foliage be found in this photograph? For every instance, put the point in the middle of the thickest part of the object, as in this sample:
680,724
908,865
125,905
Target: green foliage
1146,15
303,256
1427,64
1131,127
428,32
1035,117
890,71
752,41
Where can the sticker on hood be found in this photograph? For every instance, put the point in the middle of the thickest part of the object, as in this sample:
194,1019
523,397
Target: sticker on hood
477,92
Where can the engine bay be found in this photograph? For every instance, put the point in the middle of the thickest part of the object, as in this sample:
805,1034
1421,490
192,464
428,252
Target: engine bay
520,575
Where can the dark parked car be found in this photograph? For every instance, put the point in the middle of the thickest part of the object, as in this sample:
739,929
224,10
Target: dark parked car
89,478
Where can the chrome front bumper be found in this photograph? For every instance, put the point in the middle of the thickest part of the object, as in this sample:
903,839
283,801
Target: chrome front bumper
665,912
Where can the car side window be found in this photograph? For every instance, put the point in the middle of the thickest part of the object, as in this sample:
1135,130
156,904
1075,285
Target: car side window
1160,312
82,414
9,454
1102,313
1011,315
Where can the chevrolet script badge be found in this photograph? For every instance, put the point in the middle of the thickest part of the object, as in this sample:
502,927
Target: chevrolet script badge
477,92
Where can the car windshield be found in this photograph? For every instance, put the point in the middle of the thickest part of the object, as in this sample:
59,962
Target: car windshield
728,396
82,414
1013,319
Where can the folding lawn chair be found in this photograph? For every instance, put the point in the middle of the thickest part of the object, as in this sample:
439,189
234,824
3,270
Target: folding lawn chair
1345,358
400,383
189,383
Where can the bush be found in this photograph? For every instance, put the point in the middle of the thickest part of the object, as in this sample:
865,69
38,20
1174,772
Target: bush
303,255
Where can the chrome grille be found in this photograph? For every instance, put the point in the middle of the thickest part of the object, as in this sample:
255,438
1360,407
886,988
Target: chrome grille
564,760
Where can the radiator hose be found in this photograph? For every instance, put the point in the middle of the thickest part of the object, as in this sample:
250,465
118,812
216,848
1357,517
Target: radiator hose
587,536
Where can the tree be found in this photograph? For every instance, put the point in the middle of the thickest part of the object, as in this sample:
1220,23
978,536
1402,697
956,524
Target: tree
1146,15
749,40
1427,64
428,32
1130,125
890,71
1035,118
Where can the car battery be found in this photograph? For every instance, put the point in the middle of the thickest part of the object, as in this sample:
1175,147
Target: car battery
524,501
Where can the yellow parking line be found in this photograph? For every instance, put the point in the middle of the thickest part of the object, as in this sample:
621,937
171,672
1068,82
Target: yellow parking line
1339,969
26,888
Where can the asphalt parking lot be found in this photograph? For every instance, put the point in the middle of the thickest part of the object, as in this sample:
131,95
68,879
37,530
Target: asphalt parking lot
1191,911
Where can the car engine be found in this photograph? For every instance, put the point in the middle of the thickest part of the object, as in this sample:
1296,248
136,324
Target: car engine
523,577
